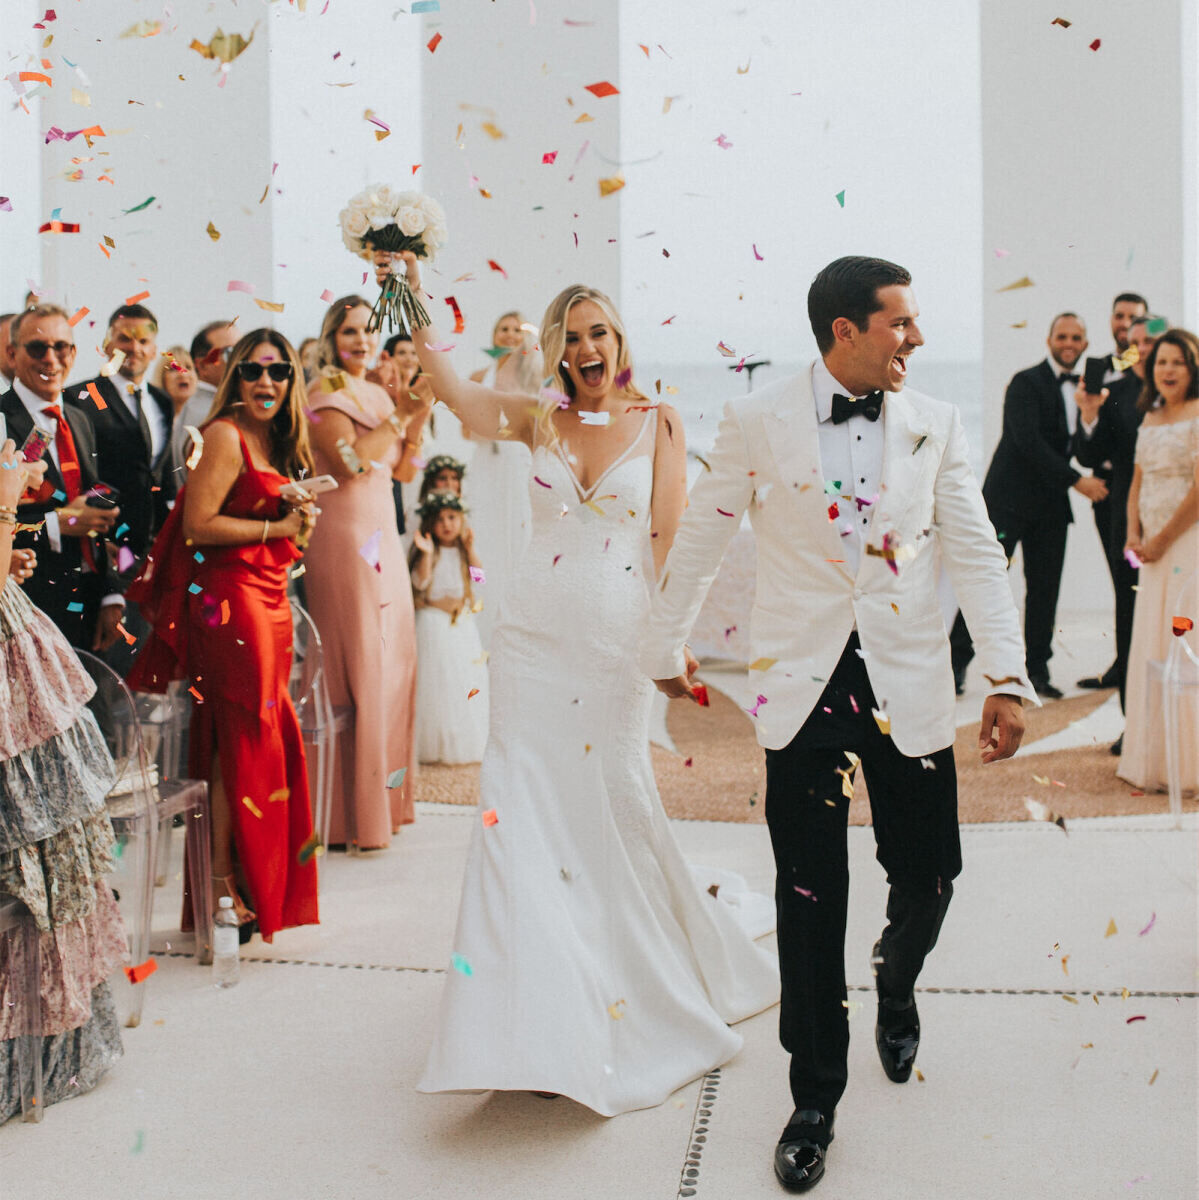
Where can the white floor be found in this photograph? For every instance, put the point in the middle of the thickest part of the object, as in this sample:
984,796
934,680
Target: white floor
1039,1081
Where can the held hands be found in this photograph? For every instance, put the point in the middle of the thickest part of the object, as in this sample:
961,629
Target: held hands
77,519
1002,728
680,685
1092,487
1149,551
1089,403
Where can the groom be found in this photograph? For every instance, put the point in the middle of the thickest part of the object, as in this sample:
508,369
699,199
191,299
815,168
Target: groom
856,491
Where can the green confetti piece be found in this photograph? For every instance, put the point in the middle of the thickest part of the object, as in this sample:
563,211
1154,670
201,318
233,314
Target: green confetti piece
139,207
832,487
1156,326
139,1142
841,197
461,965
496,351
396,778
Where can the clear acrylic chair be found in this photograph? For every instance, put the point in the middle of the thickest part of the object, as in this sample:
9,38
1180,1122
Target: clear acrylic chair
1175,682
320,722
21,952
164,720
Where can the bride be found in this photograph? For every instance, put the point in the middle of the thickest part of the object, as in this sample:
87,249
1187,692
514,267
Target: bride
588,962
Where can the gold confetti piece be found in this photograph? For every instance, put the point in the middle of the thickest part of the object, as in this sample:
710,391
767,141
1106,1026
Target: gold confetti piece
80,98
762,664
1111,931
213,232
584,117
197,446
614,1010
336,382
882,721
612,184
223,46
919,1077
142,29
1022,282
1000,682
1070,999
1129,358
1019,325
1124,993
591,504
1062,22
268,305
1088,1046
1095,998
252,806
895,608
587,748
279,794
1153,1078
492,131
1043,779
1065,960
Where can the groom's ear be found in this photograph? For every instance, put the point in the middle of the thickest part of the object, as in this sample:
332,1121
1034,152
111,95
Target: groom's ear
844,330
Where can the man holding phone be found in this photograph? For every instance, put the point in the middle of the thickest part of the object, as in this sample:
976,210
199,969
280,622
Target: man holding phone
72,576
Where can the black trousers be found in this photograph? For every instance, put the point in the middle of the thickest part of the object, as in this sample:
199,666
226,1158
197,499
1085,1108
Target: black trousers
1043,538
916,831
1124,581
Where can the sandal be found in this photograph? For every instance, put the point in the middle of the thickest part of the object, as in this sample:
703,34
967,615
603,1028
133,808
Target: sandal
228,882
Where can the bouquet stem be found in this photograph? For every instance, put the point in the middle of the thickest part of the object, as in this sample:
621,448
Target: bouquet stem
398,306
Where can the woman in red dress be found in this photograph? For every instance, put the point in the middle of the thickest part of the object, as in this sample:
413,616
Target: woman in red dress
215,590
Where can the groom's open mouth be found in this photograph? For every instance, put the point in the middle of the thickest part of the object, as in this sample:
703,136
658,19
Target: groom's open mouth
900,362
592,373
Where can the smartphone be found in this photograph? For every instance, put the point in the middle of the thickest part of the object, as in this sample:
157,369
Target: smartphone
293,491
1092,379
36,444
102,495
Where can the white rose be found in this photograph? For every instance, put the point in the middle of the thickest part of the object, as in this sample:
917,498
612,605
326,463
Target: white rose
354,222
380,216
411,220
383,196
432,210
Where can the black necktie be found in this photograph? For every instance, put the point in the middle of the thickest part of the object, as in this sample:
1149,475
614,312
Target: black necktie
1066,377
845,407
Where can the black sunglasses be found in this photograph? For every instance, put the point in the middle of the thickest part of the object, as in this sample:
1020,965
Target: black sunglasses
39,349
251,372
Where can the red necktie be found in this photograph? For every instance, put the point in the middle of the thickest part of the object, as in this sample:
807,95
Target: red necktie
68,468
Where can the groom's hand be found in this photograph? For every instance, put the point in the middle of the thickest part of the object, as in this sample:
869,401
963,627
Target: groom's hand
1002,727
680,685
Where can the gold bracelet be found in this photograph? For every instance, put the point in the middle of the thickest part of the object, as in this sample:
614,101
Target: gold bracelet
6,508
393,420
266,529
7,517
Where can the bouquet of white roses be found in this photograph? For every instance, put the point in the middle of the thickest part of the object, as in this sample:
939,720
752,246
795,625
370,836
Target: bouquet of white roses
383,219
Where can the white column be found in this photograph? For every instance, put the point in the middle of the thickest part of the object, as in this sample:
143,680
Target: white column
1089,189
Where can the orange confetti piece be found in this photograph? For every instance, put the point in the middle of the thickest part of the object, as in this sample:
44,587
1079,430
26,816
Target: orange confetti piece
35,77
472,693
73,321
603,89
103,250
224,612
279,795
94,392
490,818
129,637
434,42
252,806
197,695
138,298
142,971
1182,625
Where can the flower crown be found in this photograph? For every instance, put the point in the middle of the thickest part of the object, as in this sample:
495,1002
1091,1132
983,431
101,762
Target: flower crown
437,502
444,462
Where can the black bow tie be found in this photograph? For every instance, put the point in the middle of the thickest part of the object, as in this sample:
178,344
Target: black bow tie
1066,377
845,407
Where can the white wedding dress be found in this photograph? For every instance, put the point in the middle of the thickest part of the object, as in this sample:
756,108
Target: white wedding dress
588,959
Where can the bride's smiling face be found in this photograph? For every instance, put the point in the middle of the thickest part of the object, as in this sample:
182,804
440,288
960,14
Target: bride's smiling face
592,349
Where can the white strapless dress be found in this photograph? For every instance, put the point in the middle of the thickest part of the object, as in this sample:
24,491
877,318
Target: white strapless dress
588,959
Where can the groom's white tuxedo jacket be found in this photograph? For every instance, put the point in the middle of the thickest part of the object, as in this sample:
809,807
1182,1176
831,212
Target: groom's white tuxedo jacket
807,601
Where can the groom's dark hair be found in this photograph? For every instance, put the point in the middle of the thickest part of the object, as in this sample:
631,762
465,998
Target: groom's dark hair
848,287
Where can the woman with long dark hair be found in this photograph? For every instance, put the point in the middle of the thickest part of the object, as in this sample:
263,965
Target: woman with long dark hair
214,588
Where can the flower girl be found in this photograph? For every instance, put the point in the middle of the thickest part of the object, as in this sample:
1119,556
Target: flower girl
451,689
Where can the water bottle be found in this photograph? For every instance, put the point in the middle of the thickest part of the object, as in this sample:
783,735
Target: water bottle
225,945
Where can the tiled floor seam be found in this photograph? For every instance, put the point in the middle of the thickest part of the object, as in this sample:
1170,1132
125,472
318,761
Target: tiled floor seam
701,1122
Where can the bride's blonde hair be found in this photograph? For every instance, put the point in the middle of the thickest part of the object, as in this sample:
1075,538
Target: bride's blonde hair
553,347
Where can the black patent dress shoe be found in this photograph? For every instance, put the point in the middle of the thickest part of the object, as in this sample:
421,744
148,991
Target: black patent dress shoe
799,1156
1045,689
1117,747
896,1029
1108,679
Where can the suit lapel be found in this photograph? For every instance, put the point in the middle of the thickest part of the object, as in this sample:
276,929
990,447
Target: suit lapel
791,432
20,424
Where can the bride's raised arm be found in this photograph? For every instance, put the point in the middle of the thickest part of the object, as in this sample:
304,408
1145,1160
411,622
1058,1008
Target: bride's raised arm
483,410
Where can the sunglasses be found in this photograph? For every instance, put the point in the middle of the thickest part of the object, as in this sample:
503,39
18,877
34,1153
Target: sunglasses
251,372
39,349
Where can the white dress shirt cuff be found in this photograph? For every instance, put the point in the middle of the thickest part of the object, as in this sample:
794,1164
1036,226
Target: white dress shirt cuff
54,532
113,598
1087,427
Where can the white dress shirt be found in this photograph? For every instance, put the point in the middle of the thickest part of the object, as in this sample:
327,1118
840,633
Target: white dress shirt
851,458
137,399
1068,388
43,420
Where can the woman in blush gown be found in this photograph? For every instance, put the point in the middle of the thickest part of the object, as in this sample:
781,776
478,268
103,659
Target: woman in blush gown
357,580
214,589
588,962
499,476
1162,532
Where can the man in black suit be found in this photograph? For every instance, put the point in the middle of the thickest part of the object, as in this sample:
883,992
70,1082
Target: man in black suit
1127,308
71,581
1027,493
1107,434
132,424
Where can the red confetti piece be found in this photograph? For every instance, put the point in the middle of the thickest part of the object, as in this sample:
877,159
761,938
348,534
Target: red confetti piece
459,323
60,227
833,512
434,42
1139,1017
73,321
686,762
142,971
542,482
756,254
490,818
495,266
138,298
1095,44
472,693
700,692
596,89
97,399
1181,625
548,157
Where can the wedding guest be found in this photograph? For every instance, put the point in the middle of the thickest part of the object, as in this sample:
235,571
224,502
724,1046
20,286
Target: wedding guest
209,352
73,582
356,578
500,469
309,355
451,686
396,372
1163,507
56,843
176,375
584,890
1026,490
6,370
132,426
214,587
1107,434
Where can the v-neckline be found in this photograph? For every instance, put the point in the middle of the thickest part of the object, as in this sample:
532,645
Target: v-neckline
585,494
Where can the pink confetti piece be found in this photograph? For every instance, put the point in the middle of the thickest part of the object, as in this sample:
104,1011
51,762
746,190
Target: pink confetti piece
753,712
478,575
538,480
805,892
327,296
723,142
853,703
125,559
548,157
240,285
369,550
440,347
1152,922
623,377
1130,557
756,254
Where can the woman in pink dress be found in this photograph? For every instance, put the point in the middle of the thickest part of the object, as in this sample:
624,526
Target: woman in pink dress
357,580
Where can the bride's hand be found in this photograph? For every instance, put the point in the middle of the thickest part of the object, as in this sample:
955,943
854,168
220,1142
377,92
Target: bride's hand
383,260
413,268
